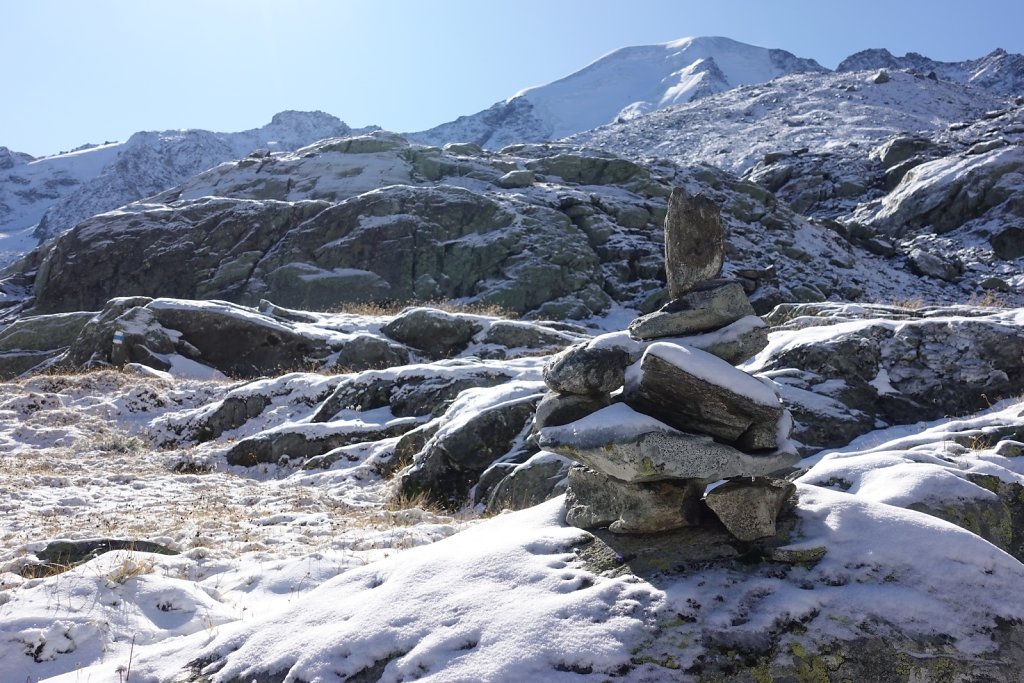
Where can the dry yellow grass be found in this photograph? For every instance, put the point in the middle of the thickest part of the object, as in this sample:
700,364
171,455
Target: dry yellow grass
390,308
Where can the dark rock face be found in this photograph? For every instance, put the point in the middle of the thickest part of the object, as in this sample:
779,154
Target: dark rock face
233,412
367,351
27,342
515,334
204,250
901,148
416,392
558,409
843,386
976,188
926,263
435,332
237,342
300,443
314,255
694,242
307,232
1008,244
528,484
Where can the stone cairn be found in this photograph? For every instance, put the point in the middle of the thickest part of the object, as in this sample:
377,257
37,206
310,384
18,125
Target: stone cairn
654,414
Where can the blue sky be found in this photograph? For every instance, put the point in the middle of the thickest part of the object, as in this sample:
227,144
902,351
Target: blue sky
77,72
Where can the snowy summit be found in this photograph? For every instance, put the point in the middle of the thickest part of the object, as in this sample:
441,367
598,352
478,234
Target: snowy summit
621,85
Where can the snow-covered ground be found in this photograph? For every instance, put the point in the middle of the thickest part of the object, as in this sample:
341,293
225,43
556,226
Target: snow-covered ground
321,573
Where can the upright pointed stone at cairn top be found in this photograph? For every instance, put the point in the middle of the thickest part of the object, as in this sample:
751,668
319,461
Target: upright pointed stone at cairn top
694,242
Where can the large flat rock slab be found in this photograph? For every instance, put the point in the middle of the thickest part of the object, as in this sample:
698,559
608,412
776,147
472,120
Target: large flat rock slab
710,305
691,390
633,447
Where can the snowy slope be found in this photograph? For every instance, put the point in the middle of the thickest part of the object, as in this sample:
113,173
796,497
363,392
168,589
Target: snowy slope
64,189
622,84
820,112
998,71
28,187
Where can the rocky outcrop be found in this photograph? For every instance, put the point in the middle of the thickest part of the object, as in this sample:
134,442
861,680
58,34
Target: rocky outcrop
315,229
411,391
207,338
467,441
890,366
163,332
437,333
29,342
943,195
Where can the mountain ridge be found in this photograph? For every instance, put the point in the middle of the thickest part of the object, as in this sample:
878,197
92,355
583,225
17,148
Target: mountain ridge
55,192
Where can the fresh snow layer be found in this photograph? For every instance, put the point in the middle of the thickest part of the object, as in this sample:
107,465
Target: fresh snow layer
615,423
709,368
648,77
820,112
501,601
282,568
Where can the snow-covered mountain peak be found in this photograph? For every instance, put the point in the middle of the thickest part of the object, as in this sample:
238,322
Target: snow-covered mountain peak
621,84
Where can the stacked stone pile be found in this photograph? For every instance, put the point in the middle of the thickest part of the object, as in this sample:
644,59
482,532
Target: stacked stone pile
655,414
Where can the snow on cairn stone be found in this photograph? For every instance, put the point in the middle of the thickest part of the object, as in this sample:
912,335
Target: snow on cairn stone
683,418
733,406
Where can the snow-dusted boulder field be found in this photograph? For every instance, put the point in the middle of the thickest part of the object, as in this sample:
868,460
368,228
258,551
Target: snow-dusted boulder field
195,527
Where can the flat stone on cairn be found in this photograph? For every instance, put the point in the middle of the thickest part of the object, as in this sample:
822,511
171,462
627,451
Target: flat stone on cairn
633,447
710,305
684,417
691,389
